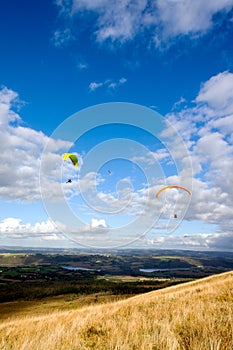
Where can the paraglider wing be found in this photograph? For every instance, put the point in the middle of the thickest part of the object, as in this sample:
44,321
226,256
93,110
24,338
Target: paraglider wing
174,186
72,157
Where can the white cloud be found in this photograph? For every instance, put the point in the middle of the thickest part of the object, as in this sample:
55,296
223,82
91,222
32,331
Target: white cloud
8,98
98,226
118,20
122,80
188,16
15,228
224,125
89,181
213,147
108,84
62,37
123,20
21,150
82,65
98,223
151,157
199,241
217,93
87,231
207,129
93,86
210,147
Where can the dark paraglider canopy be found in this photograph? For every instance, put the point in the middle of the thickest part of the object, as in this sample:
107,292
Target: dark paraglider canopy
69,181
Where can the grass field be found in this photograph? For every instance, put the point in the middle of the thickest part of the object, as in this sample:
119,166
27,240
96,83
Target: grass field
192,316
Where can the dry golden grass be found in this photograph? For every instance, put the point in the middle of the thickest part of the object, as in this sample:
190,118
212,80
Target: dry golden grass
19,309
194,316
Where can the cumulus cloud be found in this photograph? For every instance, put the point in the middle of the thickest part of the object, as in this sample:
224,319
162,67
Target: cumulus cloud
98,223
123,20
206,129
150,157
211,149
89,181
89,230
217,93
200,241
15,228
8,99
98,226
21,149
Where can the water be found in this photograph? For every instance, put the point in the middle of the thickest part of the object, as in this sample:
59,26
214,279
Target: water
161,270
76,268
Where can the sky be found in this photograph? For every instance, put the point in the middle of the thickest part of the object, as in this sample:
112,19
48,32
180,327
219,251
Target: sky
141,91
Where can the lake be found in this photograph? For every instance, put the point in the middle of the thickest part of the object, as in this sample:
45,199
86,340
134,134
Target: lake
76,268
161,270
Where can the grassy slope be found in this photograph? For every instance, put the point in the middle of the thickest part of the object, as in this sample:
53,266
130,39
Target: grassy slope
196,315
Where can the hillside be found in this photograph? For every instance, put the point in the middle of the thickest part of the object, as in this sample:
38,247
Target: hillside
195,315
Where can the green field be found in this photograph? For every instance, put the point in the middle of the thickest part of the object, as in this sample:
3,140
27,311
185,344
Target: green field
35,276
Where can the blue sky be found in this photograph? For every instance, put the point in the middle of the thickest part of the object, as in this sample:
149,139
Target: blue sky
142,92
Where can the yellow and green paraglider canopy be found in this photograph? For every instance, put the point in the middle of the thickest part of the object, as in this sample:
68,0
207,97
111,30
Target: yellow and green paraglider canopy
72,157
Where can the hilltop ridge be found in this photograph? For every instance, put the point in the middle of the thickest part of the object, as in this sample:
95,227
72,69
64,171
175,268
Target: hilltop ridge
194,315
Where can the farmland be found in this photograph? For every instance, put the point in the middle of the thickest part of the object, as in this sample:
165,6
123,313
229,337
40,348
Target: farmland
36,275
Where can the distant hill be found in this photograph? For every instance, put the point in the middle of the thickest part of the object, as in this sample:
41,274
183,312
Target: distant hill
192,316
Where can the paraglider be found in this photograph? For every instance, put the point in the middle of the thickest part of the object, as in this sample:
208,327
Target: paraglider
174,186
72,157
